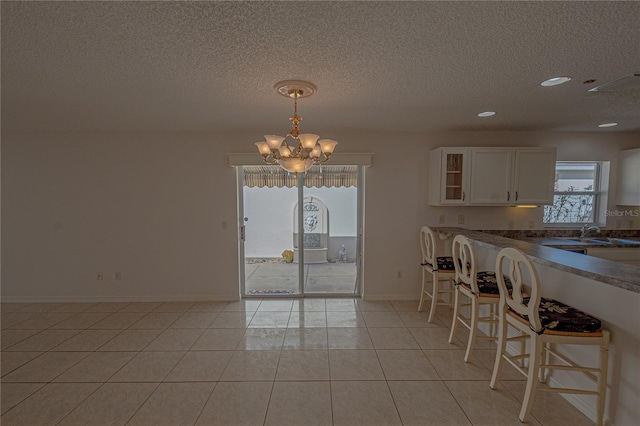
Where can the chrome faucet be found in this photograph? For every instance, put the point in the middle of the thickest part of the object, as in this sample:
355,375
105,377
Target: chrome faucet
589,231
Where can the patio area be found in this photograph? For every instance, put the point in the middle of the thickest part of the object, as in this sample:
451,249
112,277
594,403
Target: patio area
282,278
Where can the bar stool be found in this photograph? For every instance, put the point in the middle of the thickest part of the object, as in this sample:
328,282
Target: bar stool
480,288
439,267
543,322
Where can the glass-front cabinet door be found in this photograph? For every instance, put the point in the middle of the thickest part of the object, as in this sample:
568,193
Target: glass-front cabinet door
454,173
449,176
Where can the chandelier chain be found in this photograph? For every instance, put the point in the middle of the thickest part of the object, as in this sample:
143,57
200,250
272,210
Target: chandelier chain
295,118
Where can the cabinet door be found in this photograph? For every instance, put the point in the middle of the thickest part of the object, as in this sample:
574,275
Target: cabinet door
534,176
629,183
454,178
490,179
448,176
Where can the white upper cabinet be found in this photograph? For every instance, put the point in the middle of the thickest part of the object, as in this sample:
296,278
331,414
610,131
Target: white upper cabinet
491,176
534,176
629,178
449,176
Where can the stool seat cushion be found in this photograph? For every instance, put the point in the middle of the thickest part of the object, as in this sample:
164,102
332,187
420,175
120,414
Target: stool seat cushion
557,317
445,263
488,284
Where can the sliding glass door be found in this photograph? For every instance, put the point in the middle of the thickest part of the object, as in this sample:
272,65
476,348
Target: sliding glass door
301,234
268,241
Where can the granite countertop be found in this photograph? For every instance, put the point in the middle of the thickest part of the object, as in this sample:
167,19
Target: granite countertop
576,243
613,273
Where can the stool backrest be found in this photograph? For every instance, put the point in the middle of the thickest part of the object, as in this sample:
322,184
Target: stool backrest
519,268
428,245
464,260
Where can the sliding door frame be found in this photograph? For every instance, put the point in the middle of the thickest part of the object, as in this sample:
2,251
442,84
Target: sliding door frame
361,160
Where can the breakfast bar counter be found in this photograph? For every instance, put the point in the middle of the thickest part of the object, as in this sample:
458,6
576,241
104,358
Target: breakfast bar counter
608,290
613,273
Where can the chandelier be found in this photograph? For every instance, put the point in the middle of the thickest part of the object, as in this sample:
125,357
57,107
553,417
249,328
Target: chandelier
305,149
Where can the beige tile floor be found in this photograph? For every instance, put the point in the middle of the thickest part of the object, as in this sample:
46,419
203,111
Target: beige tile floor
255,362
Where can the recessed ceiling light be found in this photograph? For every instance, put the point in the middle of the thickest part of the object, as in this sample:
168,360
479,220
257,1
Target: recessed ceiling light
607,124
555,81
487,114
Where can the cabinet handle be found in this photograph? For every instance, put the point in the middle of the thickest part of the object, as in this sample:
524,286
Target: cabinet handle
508,195
516,195
463,195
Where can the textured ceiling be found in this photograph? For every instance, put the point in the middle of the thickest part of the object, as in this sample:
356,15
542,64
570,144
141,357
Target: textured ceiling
381,66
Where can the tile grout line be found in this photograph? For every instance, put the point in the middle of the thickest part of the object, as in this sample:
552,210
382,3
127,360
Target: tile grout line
273,381
386,379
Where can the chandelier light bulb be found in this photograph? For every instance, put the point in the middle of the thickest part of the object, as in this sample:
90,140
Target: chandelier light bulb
308,140
327,146
274,141
296,165
315,153
263,147
285,151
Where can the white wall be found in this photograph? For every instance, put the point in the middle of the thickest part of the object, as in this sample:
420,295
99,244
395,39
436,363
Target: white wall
266,237
161,209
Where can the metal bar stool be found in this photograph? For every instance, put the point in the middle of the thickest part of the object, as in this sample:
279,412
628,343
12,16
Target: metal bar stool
544,322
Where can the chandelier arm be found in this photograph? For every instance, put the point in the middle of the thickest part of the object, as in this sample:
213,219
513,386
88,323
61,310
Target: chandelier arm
296,151
326,158
268,161
284,141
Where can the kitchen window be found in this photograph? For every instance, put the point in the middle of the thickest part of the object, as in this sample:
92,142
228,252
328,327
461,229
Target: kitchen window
576,194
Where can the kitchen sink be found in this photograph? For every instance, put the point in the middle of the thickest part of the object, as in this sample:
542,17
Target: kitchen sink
589,240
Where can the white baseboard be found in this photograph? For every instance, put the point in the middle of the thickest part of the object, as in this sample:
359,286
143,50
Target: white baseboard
71,299
398,297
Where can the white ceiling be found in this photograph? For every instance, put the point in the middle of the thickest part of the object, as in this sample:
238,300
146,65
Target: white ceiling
381,66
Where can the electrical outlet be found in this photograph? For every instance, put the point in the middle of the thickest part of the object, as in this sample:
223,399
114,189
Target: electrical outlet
443,218
509,224
118,276
460,219
399,275
99,276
